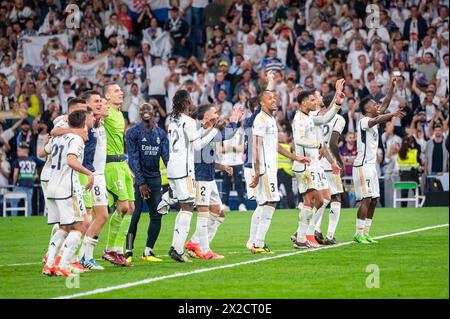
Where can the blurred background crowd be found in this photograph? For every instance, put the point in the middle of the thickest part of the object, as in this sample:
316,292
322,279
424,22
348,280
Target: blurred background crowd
220,52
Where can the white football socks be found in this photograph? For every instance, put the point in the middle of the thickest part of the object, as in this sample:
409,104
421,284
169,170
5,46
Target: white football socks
335,213
317,220
55,245
254,225
181,230
87,248
264,224
54,229
202,231
367,225
360,226
214,222
305,216
312,225
147,251
70,247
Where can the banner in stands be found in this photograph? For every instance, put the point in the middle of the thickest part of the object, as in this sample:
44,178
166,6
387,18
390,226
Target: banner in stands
160,45
34,53
91,70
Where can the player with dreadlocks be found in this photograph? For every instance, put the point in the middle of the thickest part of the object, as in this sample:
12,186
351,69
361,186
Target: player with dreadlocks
184,140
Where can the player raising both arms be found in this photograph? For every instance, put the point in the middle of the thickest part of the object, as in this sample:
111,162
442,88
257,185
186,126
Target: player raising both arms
207,199
264,153
184,139
312,183
64,198
118,176
365,176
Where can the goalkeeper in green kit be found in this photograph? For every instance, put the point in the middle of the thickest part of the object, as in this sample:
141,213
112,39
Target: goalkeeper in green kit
119,179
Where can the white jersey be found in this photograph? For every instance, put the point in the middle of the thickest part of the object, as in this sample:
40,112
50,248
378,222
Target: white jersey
265,126
100,150
60,122
183,134
305,140
337,124
367,143
47,169
63,179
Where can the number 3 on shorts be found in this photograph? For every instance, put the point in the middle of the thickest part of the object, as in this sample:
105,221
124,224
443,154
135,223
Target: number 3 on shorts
272,187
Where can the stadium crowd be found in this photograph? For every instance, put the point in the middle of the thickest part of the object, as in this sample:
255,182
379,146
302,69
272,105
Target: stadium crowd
220,51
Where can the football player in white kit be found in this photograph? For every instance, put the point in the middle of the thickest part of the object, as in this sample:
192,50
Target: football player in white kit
184,139
265,160
64,195
330,133
311,181
209,205
61,127
253,109
98,193
365,176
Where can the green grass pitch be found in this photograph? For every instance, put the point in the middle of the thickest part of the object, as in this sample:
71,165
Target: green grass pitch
412,265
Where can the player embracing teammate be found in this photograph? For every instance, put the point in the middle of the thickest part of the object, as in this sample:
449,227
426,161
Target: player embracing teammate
89,142
311,180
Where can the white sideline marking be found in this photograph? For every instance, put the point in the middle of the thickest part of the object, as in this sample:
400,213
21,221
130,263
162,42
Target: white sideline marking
198,271
24,264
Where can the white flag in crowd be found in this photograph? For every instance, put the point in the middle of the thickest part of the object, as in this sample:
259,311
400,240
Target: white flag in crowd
33,49
91,70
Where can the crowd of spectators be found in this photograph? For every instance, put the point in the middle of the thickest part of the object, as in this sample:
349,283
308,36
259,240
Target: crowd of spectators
220,51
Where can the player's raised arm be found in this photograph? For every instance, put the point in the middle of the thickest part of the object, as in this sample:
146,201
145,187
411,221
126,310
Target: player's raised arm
334,106
384,118
202,141
61,126
388,98
232,127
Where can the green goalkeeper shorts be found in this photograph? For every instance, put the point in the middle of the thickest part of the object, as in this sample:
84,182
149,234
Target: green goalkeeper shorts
119,182
87,194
